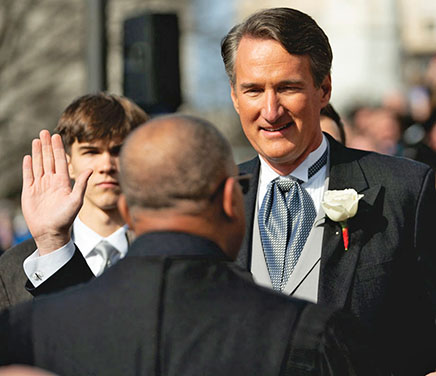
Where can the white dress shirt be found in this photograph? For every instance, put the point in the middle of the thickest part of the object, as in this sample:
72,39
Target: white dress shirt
40,268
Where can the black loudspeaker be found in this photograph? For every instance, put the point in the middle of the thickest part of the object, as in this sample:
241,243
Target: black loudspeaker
151,62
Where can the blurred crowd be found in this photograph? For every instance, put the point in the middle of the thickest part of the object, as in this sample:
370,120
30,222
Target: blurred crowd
403,124
13,228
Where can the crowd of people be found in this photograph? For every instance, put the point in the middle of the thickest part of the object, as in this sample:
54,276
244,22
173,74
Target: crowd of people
167,258
402,124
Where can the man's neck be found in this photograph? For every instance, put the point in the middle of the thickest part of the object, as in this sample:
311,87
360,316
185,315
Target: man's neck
103,222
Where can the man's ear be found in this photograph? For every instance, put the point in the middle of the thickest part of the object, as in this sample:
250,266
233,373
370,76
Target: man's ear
326,90
230,198
125,211
234,98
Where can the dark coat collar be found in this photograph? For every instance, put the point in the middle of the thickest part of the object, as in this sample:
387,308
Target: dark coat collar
250,167
168,243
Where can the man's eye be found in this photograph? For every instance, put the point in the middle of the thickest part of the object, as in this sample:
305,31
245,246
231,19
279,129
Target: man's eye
285,89
253,91
115,150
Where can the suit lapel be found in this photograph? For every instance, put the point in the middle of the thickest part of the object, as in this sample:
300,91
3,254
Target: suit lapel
337,265
250,167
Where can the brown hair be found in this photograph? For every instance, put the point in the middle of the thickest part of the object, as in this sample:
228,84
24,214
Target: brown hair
99,117
296,31
329,112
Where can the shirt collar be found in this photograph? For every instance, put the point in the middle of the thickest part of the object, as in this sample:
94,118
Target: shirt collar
86,239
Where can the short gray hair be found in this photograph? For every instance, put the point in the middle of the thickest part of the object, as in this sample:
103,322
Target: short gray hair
296,31
170,167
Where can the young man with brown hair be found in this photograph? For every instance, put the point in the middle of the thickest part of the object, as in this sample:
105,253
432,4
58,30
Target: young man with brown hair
93,128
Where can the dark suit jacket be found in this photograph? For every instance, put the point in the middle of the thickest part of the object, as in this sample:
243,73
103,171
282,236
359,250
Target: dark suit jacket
176,306
14,286
12,276
384,276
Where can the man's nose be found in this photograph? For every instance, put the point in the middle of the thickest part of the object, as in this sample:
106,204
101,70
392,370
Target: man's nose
272,109
108,162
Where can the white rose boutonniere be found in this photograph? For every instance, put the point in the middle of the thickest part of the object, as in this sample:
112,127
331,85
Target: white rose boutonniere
339,206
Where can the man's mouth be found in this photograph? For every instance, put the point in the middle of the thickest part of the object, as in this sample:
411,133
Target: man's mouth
108,184
287,125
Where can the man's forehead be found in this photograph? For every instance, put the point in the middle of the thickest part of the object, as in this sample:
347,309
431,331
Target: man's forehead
99,143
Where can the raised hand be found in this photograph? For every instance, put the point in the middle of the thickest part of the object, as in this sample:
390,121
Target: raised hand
48,202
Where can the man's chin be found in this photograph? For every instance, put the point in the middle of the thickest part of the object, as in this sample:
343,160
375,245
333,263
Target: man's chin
109,207
277,158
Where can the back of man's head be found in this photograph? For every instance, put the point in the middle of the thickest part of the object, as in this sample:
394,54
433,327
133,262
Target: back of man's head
298,33
178,174
173,161
99,116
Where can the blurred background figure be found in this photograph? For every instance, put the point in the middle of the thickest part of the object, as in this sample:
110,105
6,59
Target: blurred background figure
430,127
376,129
385,131
13,228
332,124
359,118
6,226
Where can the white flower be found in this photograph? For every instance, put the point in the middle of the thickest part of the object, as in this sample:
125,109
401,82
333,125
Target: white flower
341,205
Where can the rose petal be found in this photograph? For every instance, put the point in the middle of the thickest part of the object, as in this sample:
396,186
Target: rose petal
339,205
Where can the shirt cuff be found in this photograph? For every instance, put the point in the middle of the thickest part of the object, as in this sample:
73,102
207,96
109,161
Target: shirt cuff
39,268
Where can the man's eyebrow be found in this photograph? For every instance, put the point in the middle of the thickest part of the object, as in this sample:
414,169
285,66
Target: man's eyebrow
290,82
250,85
87,147
94,147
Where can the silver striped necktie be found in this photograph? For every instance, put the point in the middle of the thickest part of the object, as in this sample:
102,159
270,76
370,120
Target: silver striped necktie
285,220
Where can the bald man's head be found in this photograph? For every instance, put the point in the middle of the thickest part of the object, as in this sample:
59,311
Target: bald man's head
174,160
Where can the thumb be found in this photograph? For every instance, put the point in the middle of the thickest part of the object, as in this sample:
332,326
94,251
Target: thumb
80,184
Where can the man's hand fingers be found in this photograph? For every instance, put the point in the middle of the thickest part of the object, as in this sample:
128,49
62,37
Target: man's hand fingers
27,171
60,159
38,170
47,152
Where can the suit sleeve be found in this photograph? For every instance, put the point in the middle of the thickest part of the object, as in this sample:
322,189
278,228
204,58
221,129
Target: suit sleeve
74,272
328,343
425,234
16,336
347,349
12,276
4,299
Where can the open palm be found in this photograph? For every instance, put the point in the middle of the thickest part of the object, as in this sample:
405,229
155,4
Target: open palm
48,201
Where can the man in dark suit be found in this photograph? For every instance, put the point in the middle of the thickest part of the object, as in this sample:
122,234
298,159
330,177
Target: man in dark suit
278,62
92,127
176,305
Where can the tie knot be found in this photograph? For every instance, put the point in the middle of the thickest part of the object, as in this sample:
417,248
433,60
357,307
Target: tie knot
105,247
285,184
108,253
